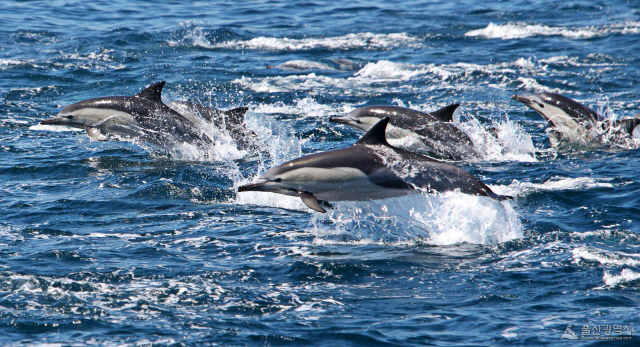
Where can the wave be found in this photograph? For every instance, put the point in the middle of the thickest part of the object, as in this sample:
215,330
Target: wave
367,40
517,188
335,64
96,61
523,30
300,65
582,254
390,77
626,277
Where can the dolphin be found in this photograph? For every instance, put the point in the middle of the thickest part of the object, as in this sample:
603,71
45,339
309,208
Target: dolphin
440,138
231,120
368,170
573,124
141,117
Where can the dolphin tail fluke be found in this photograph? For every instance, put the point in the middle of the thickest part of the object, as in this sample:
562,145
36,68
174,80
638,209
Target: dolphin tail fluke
445,114
312,202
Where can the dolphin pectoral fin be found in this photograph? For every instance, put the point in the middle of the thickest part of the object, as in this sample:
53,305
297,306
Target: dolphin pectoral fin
498,197
96,134
504,197
445,114
312,202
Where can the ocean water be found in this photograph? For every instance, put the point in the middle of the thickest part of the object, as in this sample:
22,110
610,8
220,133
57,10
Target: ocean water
122,244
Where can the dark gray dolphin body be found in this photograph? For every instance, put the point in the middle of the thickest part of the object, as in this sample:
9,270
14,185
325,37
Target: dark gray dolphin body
141,117
232,121
573,124
441,138
368,170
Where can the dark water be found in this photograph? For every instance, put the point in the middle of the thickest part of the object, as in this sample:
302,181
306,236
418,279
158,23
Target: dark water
110,243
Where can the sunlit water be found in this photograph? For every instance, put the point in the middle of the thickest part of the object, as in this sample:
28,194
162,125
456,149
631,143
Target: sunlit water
115,243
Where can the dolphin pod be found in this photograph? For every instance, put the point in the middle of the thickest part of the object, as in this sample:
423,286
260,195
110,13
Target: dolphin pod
368,170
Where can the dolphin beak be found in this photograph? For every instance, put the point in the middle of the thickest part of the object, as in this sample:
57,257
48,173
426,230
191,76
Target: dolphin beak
343,120
522,99
252,187
54,121
337,119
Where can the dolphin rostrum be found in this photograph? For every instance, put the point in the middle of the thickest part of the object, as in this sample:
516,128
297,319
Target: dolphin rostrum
440,138
573,124
141,117
368,170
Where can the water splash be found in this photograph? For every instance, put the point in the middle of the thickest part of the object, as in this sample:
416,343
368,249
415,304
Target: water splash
522,30
438,219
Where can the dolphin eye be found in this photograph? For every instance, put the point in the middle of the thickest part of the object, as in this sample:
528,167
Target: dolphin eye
278,179
541,105
68,117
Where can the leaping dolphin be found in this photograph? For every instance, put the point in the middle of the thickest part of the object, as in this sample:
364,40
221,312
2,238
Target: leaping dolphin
573,124
368,170
232,121
141,117
440,138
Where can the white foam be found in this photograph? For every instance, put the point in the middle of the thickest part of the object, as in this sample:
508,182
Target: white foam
390,77
297,65
387,70
439,219
270,200
531,84
13,62
510,333
591,60
302,108
99,61
53,128
345,42
522,30
509,141
626,276
609,258
553,184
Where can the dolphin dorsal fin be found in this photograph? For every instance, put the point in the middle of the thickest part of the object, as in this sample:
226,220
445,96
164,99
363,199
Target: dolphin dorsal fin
376,135
445,114
153,92
236,115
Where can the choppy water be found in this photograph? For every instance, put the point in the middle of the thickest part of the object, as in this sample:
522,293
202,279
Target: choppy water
110,243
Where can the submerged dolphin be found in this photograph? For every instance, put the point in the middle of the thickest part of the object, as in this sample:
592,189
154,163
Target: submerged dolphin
573,124
368,170
232,121
141,117
440,138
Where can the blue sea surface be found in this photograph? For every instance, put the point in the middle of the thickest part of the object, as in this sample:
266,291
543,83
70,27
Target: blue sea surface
126,244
